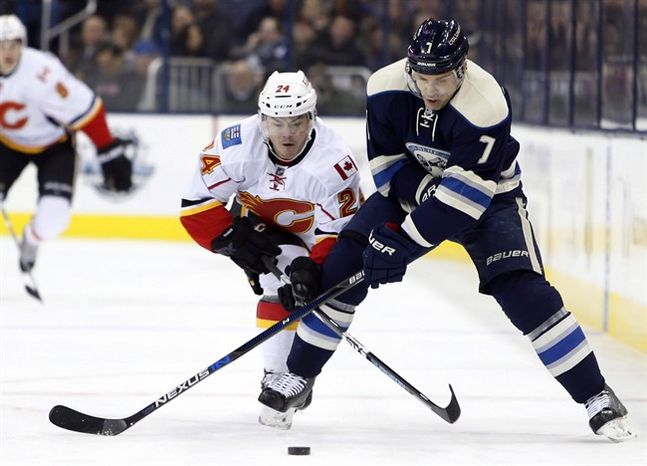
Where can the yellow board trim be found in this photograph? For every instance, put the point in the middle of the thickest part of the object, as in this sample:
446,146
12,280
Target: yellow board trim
114,227
627,319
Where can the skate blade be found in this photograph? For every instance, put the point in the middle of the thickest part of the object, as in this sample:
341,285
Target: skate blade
617,430
276,419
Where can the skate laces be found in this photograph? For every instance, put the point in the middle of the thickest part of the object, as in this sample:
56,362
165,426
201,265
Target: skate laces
288,384
597,403
269,377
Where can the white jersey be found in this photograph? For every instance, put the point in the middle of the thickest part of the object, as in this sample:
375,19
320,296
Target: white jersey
314,197
39,99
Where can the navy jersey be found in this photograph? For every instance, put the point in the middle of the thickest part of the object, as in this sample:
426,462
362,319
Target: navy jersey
466,145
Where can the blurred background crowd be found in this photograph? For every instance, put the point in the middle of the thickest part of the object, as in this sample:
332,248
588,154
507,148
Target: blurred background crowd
578,63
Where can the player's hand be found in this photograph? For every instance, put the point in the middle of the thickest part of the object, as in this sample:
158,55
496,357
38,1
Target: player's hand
246,243
387,255
116,167
305,279
254,281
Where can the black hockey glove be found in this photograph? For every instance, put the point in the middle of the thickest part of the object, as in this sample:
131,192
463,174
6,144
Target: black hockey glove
246,243
387,255
116,167
255,282
305,279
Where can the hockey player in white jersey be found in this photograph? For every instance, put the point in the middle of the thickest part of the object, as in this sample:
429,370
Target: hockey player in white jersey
298,185
41,106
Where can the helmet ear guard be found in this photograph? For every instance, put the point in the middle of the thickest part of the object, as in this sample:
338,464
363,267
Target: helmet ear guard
460,70
411,83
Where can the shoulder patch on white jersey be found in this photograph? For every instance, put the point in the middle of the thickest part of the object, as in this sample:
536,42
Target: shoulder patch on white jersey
389,78
231,136
346,167
480,99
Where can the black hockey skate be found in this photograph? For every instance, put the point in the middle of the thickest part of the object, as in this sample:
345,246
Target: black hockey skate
288,391
608,416
28,253
282,397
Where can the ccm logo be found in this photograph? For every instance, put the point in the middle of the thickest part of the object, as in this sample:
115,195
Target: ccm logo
379,246
505,255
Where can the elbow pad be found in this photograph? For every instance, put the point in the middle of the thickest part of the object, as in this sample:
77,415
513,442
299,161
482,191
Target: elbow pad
412,185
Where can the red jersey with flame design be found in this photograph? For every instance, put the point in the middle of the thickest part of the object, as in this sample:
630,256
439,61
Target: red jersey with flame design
313,198
40,98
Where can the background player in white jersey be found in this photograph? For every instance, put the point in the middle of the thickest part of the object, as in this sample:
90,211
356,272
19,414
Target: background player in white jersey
444,164
298,185
41,106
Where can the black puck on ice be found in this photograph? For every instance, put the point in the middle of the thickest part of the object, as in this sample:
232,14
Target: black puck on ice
300,451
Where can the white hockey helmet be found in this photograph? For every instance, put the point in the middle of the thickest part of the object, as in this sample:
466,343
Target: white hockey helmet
288,95
11,28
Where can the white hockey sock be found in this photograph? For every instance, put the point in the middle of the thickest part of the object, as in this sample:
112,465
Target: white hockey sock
51,218
276,350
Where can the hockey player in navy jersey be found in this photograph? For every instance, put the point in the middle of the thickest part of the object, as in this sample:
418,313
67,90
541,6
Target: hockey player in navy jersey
444,164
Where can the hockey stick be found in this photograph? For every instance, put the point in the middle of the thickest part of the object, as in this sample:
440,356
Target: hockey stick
450,413
69,419
28,278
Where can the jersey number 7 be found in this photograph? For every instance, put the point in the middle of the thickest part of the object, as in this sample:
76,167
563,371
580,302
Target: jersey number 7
489,144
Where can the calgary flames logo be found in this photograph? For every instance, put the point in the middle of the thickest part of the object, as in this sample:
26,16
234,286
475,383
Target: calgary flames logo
9,121
289,214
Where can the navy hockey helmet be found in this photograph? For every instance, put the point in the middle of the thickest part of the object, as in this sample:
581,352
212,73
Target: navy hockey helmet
438,46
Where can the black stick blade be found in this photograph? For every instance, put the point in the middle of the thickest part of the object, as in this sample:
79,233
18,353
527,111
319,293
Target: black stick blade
453,409
69,419
33,292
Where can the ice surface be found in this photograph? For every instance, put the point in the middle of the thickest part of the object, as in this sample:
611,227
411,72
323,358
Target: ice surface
124,322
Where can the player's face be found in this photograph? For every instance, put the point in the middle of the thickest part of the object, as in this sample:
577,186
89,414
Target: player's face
9,55
288,135
436,89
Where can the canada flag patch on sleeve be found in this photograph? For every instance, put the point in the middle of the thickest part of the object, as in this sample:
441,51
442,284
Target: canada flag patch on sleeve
346,167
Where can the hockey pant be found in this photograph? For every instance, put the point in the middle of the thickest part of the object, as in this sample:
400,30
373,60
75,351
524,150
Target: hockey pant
56,170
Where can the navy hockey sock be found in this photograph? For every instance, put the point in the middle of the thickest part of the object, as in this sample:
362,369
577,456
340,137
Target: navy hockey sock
537,309
315,342
307,360
562,346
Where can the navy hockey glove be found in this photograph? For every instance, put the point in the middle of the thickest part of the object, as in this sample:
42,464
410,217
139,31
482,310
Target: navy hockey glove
116,167
305,279
387,255
246,243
